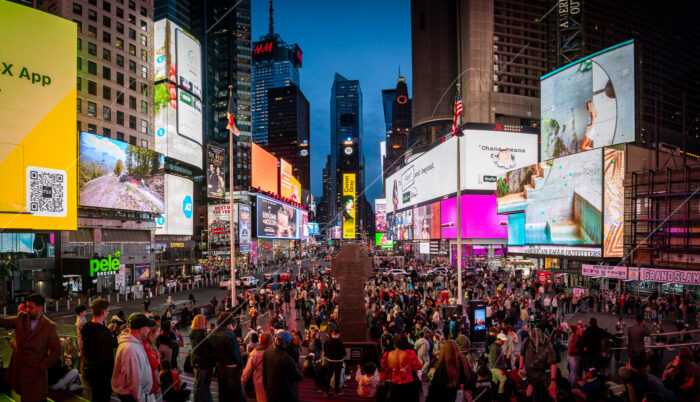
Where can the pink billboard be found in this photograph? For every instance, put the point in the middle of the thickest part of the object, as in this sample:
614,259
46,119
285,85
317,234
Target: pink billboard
479,218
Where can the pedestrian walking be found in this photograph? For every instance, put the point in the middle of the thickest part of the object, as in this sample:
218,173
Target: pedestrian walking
99,345
132,379
146,304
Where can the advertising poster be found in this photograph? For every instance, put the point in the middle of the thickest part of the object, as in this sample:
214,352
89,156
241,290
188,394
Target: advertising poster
178,124
682,277
614,202
179,208
604,271
479,218
489,154
382,240
304,225
244,228
380,215
219,221
589,104
118,175
296,190
264,169
555,203
349,190
285,179
216,172
276,220
426,222
177,57
37,120
313,229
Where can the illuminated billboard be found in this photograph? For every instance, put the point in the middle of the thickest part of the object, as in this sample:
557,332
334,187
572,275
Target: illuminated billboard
614,201
285,179
589,103
219,224
245,228
117,175
178,57
555,204
276,220
400,225
296,190
426,222
216,172
380,215
382,240
178,124
349,207
479,219
177,219
264,169
38,149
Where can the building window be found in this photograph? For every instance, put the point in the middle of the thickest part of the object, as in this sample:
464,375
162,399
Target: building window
92,87
106,73
77,9
144,12
132,102
106,132
144,126
132,83
80,64
120,78
120,13
106,6
79,105
132,50
144,55
120,60
144,89
132,66
144,40
80,44
120,98
144,143
79,84
144,25
92,67
106,37
120,136
93,2
144,107
92,129
132,122
106,92
80,26
120,27
132,34
132,19
92,15
144,72
132,140
92,31
120,118
120,43
92,49
92,109
132,5
106,21
106,55
106,113
80,126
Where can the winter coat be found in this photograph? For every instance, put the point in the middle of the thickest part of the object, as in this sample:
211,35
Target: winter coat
132,371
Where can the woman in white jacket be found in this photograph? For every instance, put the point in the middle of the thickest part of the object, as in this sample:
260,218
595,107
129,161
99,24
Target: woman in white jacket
254,367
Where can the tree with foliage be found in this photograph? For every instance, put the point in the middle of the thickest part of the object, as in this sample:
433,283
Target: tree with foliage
118,167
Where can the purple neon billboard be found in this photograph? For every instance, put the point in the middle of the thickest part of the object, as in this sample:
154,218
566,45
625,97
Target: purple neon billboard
479,218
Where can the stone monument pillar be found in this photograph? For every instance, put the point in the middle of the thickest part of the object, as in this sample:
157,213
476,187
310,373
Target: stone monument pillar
351,268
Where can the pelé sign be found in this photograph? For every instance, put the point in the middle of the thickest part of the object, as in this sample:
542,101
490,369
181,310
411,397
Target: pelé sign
104,266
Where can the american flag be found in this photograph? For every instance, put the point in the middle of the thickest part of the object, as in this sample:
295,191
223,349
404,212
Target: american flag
231,114
458,112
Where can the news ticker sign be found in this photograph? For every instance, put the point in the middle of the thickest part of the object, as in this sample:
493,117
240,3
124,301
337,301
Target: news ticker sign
677,276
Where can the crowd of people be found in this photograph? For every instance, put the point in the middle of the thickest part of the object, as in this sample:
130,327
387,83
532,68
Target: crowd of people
271,338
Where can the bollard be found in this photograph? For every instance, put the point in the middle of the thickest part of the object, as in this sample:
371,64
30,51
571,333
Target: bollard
4,310
117,297
109,298
68,303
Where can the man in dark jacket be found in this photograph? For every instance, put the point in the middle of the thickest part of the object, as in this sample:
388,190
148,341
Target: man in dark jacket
280,372
230,363
98,346
334,351
637,332
590,343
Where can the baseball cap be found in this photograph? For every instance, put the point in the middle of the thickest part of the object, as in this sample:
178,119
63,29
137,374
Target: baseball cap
283,337
502,337
139,320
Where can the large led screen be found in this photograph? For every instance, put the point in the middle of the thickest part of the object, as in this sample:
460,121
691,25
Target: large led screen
245,228
178,124
589,104
479,219
38,141
285,179
177,57
276,220
428,177
489,154
400,225
614,201
349,207
264,169
555,203
219,222
216,172
382,240
426,222
179,208
117,175
380,215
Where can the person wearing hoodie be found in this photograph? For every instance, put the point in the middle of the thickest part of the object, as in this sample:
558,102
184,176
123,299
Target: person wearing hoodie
98,345
132,379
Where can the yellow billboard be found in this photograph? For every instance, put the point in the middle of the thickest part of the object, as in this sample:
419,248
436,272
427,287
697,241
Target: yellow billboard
349,189
296,190
38,135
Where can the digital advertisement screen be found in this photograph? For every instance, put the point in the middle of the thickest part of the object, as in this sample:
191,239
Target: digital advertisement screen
178,124
304,225
589,103
296,190
276,220
479,218
177,57
216,172
382,240
179,208
426,222
39,144
313,229
400,225
380,215
117,175
614,201
480,319
245,228
349,208
489,154
555,203
219,220
189,62
264,169
285,179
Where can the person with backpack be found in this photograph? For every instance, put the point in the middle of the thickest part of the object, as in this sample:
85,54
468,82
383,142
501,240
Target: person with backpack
536,357
253,368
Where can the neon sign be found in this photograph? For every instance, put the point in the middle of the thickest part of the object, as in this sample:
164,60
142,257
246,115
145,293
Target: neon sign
263,48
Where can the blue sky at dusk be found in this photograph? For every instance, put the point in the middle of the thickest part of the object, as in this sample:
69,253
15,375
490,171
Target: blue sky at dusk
363,40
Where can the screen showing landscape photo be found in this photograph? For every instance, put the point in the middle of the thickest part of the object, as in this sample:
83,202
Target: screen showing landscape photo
117,175
589,104
558,202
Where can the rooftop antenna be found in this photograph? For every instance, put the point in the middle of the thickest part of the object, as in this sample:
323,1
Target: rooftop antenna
399,70
272,24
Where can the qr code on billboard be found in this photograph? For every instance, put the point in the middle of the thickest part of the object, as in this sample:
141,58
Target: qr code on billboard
46,192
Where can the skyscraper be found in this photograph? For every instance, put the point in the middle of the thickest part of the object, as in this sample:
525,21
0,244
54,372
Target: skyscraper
401,111
177,11
388,96
288,128
275,64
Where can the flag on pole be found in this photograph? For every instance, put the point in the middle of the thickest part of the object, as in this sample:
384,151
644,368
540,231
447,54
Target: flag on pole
458,112
231,114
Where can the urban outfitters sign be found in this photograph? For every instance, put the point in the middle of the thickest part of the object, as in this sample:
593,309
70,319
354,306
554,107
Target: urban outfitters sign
105,266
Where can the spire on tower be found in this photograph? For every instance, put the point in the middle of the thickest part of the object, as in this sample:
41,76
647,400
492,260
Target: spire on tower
272,24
